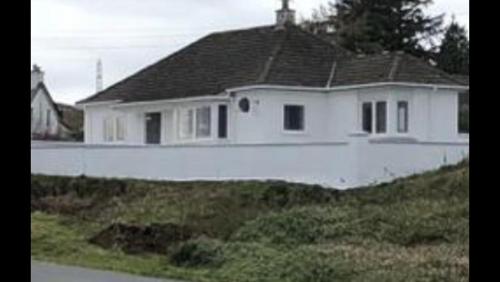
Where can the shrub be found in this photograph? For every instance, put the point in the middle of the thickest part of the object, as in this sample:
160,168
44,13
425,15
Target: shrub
198,253
319,268
302,226
281,195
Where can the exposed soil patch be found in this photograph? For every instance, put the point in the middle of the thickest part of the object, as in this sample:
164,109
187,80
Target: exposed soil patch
132,239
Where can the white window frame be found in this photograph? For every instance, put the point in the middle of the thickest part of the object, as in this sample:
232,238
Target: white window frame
120,131
193,134
362,115
197,129
374,116
108,130
407,117
304,125
111,129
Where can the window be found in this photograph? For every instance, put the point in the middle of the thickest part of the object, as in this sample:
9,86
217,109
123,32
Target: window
195,123
203,122
463,112
108,130
381,125
48,118
120,129
294,118
222,121
367,117
186,117
402,116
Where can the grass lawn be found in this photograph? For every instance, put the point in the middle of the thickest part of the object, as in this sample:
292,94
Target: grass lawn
414,229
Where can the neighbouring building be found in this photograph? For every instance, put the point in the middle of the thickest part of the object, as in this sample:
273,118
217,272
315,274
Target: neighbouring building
49,120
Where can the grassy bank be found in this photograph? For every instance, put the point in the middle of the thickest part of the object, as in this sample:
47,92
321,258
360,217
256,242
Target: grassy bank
415,229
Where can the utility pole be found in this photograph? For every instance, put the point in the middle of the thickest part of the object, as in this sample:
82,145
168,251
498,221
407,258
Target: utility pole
99,79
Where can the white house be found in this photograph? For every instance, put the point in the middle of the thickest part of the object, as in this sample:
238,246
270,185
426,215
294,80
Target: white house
276,102
274,84
48,121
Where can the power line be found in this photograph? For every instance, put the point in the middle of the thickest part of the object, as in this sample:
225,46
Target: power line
104,36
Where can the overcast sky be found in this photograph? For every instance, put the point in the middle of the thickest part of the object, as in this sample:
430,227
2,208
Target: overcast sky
68,36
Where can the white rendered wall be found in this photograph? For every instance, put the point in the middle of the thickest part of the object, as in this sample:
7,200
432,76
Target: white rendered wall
382,160
362,161
41,107
325,164
329,116
264,122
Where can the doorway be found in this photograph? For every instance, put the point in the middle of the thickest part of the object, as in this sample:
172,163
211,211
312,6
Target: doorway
153,128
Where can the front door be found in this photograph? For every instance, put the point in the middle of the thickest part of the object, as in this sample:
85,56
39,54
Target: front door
153,128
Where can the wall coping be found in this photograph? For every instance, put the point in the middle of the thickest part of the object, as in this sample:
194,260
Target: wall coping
62,145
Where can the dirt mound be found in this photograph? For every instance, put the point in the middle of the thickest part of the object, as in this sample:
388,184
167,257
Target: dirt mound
131,239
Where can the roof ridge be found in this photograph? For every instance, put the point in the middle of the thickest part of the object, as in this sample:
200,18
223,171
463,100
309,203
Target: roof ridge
241,30
322,40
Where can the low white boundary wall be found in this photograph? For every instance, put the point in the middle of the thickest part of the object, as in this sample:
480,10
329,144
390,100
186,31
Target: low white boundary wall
340,165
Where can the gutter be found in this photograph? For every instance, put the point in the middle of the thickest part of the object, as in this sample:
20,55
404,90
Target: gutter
347,87
81,106
214,98
226,95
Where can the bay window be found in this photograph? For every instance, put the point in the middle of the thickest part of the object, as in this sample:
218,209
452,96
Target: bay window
381,121
367,118
402,117
371,118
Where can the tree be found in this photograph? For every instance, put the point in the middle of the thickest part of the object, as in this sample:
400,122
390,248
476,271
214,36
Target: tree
453,56
370,26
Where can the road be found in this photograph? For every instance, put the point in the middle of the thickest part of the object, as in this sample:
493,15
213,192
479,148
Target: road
42,272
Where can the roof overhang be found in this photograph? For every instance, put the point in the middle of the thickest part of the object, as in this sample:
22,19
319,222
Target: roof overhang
225,96
349,87
211,98
82,106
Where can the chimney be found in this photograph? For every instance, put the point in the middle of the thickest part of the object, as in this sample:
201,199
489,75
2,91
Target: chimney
36,76
285,16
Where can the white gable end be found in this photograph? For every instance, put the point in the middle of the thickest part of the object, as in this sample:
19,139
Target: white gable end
44,118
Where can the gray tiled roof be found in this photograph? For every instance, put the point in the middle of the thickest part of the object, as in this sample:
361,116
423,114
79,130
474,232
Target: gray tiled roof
264,55
390,67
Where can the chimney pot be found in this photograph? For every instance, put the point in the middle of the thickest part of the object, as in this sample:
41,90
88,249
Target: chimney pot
37,76
285,16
